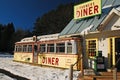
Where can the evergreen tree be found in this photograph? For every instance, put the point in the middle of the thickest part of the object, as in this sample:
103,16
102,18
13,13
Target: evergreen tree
6,35
54,21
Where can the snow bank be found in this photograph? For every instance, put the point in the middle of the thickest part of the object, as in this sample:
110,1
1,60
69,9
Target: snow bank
5,77
35,72
5,55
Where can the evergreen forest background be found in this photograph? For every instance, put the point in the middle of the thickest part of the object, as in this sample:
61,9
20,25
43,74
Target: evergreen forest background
52,22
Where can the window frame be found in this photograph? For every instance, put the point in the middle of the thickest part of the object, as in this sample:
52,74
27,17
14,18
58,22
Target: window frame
58,45
69,51
29,48
50,48
91,47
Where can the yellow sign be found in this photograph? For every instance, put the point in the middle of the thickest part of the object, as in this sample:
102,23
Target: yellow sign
26,57
87,9
63,61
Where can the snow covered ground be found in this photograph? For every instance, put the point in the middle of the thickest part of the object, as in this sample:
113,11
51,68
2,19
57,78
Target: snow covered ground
5,77
34,72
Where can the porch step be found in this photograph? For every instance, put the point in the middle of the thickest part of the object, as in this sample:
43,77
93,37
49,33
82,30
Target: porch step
98,78
105,77
89,72
86,78
108,73
99,75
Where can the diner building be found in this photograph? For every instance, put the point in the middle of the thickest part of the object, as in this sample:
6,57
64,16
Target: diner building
100,34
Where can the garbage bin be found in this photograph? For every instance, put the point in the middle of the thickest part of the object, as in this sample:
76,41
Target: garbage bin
100,62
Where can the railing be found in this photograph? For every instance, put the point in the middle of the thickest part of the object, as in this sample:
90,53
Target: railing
71,68
117,61
115,70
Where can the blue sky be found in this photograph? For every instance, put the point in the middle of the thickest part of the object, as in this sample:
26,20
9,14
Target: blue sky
23,13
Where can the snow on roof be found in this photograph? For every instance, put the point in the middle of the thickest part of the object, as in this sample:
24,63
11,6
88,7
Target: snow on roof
48,37
41,38
29,39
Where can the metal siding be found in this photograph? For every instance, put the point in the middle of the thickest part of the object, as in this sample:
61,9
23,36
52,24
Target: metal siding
116,2
97,21
103,2
85,25
109,2
76,27
68,27
82,26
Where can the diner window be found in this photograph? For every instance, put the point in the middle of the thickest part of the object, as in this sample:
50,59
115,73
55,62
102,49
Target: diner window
60,47
20,48
29,48
42,48
24,48
16,48
91,47
69,47
50,48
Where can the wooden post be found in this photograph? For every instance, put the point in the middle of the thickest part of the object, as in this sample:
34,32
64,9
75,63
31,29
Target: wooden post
115,74
71,73
82,70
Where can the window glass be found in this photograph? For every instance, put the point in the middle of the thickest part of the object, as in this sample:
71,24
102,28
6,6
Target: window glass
60,47
42,48
20,48
24,48
16,48
50,47
69,47
29,48
92,48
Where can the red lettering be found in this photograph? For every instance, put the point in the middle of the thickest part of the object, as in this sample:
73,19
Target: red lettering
87,9
90,10
46,60
96,9
81,13
85,12
43,60
57,60
78,13
53,61
49,60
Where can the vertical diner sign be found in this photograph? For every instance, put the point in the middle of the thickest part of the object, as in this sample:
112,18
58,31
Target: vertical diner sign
90,8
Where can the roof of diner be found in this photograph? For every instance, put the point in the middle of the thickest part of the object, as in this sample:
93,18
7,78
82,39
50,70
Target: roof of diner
77,26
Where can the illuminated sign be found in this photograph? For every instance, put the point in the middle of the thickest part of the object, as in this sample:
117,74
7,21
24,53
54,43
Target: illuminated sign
87,9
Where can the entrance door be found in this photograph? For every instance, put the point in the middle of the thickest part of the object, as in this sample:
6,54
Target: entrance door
35,54
117,53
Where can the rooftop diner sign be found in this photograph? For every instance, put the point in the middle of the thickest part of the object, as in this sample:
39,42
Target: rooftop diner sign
87,9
